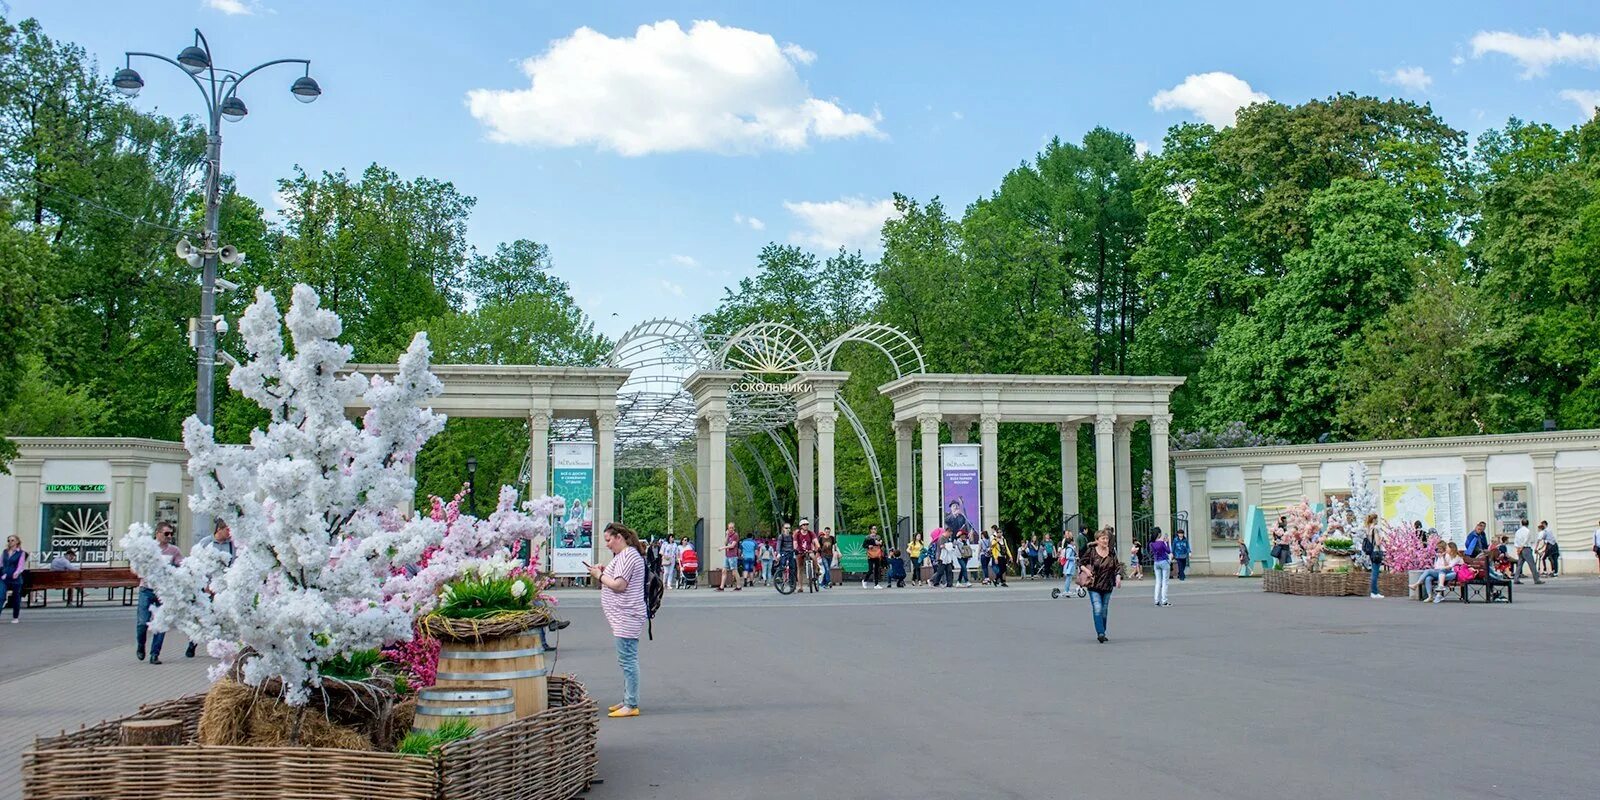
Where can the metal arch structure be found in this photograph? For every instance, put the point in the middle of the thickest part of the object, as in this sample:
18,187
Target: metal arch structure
766,476
895,345
657,426
872,464
749,490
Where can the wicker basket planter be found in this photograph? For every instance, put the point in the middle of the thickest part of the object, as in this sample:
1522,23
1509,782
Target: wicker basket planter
1390,584
549,756
1312,584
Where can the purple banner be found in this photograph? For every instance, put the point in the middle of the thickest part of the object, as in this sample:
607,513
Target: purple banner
958,470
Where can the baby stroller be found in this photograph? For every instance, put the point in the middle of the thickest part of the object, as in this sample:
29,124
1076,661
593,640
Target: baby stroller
690,566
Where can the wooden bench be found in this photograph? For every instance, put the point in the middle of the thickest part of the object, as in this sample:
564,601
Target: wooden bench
73,583
1486,587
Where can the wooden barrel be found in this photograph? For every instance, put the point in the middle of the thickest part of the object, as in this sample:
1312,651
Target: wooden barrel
484,706
511,662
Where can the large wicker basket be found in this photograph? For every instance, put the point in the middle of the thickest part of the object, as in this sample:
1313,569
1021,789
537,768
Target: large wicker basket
552,755
1314,584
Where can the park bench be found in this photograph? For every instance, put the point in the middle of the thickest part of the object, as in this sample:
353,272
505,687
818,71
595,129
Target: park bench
73,584
1486,587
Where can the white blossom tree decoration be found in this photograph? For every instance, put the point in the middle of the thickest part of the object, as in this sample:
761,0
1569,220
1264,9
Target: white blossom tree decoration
310,502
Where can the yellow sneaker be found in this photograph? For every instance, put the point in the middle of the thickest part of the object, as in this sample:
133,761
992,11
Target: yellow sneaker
615,707
624,712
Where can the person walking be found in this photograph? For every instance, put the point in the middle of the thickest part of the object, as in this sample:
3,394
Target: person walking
963,557
669,563
1596,543
1001,557
1180,552
986,557
1105,575
1047,564
730,557
914,549
148,601
764,552
1161,561
873,544
949,554
827,554
1524,541
1244,560
748,547
221,540
1372,544
1552,550
622,600
13,565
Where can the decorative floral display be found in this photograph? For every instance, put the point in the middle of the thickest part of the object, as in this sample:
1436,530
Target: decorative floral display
1305,534
1405,549
469,544
310,503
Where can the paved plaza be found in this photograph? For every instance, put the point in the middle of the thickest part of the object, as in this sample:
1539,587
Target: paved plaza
918,693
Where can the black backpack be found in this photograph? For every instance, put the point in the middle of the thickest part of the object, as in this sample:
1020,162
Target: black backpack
654,590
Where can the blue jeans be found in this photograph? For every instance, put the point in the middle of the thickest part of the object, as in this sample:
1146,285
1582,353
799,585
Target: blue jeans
1375,568
11,595
1434,575
148,602
786,563
1067,574
826,567
1100,607
983,566
766,570
1163,570
964,569
628,659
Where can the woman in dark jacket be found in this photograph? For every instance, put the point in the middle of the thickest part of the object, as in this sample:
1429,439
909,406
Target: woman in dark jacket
1105,574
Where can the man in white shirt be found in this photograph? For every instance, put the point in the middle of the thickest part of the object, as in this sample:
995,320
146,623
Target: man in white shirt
1524,543
669,562
1551,557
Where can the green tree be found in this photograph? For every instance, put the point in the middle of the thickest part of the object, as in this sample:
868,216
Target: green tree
645,510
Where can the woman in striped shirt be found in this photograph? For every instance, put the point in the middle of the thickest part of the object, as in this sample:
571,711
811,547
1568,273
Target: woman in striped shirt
622,600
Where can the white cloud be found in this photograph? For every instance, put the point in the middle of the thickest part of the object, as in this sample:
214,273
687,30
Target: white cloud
671,287
1141,148
1416,79
234,7
798,54
1211,96
754,223
957,115
849,222
712,88
683,261
1585,99
1538,53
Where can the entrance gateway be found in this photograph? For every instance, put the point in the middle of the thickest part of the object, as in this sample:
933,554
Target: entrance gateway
674,397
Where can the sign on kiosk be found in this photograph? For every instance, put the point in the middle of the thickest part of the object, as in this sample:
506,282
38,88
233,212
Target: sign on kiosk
958,468
572,531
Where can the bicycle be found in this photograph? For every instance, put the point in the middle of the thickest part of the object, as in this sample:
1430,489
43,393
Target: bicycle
783,577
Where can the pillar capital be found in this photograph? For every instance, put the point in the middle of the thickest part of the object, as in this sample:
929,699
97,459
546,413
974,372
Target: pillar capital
717,423
825,422
1105,424
989,424
605,420
539,418
903,432
1068,430
929,423
1123,426
1160,424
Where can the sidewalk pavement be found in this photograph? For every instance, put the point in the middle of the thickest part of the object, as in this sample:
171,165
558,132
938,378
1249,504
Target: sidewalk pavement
86,690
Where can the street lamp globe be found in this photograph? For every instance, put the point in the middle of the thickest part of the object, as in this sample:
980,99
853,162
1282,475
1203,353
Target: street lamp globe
194,59
127,81
233,109
306,89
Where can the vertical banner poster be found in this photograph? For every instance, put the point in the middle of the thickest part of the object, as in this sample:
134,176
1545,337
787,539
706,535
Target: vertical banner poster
572,531
1510,507
852,552
958,471
1439,501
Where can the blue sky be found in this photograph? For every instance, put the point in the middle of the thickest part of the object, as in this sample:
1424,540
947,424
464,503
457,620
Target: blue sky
642,156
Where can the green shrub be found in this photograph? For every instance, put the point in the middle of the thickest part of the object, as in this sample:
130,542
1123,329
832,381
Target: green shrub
357,666
1338,543
421,743
475,598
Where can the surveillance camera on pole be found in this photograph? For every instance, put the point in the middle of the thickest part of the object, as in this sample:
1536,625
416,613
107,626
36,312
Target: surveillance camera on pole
226,285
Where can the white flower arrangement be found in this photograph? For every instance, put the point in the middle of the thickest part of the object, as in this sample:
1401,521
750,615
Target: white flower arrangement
311,504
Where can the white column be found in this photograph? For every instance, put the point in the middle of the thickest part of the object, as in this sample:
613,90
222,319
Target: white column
989,441
904,503
1311,481
1476,486
1069,469
538,454
717,484
1544,493
605,480
30,486
1200,526
960,429
1122,439
1105,473
1161,473
702,475
825,500
929,425
807,477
